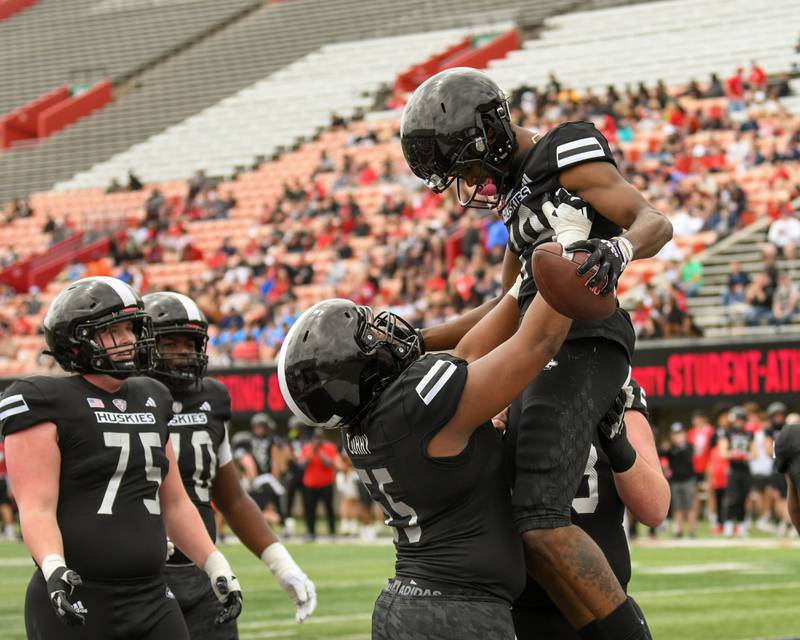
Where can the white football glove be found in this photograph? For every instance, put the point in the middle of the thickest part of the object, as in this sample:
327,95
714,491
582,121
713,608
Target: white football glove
568,216
225,585
292,580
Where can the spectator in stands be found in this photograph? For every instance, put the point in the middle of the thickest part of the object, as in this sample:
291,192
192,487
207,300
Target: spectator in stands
734,89
758,297
784,301
757,79
784,233
134,183
715,88
692,276
153,205
114,186
682,481
197,183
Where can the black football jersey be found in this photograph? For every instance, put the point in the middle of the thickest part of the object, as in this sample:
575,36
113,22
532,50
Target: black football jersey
739,443
112,465
565,146
787,453
451,517
599,511
200,441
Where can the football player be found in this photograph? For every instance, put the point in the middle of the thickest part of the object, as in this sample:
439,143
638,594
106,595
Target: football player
199,436
417,430
738,446
457,128
89,457
623,470
787,461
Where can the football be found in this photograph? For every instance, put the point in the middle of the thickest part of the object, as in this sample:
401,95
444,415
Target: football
557,280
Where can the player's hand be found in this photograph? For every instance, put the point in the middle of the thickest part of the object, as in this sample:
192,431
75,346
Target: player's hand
614,437
568,216
500,421
609,256
225,585
60,587
292,580
302,592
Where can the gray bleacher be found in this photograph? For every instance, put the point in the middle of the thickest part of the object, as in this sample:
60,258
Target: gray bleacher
243,52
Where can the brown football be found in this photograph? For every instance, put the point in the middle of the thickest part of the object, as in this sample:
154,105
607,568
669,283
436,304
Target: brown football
556,278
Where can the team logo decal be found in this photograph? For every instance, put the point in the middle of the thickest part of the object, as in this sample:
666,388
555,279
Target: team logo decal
177,407
120,404
205,407
150,402
96,403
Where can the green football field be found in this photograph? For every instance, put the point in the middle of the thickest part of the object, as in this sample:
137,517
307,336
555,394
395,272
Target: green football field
711,590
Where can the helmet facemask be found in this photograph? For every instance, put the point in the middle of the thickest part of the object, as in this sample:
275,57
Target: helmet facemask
180,369
91,356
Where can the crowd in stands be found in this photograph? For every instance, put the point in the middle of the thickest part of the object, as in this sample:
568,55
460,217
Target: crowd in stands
428,258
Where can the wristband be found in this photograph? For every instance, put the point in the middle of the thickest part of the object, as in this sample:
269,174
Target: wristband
621,454
216,564
277,559
514,290
50,563
626,247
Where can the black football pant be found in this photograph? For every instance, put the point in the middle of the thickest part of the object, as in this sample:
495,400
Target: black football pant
141,610
736,493
407,610
311,498
550,624
554,420
192,590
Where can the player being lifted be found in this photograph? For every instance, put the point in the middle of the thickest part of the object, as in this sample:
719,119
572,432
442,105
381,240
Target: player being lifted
456,127
90,459
417,430
199,436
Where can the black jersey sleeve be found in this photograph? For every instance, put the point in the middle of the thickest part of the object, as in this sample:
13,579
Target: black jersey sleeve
574,143
25,404
787,451
432,389
637,398
221,399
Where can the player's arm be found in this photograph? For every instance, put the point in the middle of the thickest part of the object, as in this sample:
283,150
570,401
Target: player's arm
602,186
447,335
495,379
187,531
793,500
247,522
34,467
643,488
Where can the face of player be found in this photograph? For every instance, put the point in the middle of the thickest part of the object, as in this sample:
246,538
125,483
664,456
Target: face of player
118,339
175,345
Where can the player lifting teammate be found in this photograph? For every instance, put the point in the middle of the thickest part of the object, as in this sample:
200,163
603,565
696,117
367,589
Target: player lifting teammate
456,127
89,457
417,430
199,436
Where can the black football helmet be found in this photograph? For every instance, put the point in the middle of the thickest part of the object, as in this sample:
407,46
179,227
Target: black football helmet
337,359
83,309
454,119
174,313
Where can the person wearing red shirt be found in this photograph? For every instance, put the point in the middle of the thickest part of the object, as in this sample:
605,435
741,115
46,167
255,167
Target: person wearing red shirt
757,78
700,436
319,460
735,85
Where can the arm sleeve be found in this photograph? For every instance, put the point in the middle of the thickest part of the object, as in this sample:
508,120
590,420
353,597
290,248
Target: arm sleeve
787,449
574,143
432,389
22,406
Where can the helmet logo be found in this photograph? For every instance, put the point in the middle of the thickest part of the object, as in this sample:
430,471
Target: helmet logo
120,404
177,407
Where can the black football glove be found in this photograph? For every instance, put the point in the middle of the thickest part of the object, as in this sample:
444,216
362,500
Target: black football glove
60,586
225,585
614,437
609,256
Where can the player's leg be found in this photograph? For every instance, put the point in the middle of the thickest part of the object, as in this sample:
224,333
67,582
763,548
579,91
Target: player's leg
558,415
310,498
42,623
150,611
326,493
197,602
